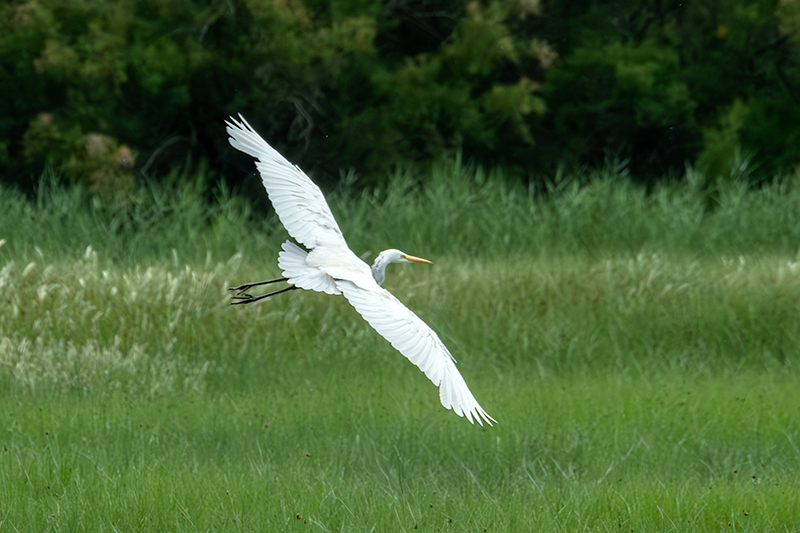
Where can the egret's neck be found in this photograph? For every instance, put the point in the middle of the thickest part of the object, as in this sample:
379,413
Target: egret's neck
379,269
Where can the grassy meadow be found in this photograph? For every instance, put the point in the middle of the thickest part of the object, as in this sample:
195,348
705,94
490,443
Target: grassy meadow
639,351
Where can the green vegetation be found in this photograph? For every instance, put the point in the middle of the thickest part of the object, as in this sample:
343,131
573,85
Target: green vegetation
640,353
455,211
110,91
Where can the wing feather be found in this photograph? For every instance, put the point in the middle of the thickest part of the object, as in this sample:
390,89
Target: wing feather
299,203
419,343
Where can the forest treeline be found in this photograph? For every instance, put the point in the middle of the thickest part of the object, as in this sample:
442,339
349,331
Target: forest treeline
111,93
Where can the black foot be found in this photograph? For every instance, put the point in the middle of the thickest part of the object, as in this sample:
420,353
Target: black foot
242,288
245,298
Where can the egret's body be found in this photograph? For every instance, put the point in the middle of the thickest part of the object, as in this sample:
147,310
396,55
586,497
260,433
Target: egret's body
330,266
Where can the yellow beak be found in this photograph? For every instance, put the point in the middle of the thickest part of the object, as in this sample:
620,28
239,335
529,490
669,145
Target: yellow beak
417,259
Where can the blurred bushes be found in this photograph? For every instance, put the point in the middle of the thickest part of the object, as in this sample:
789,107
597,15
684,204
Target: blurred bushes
328,79
665,83
630,103
114,91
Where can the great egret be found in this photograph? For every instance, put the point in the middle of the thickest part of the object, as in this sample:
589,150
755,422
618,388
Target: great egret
331,267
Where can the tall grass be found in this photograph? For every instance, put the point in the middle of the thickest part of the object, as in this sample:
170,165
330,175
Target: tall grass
471,214
456,211
640,352
173,224
79,325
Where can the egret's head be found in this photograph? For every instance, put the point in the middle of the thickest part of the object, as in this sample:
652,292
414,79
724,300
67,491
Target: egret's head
396,256
392,256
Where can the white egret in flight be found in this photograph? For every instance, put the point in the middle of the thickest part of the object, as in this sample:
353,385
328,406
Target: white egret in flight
330,266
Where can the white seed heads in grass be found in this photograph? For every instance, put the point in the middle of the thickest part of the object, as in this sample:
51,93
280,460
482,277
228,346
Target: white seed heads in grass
6,274
2,242
54,331
41,363
28,268
41,293
235,261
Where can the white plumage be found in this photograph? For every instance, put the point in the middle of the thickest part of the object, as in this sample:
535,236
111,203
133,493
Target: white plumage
331,267
292,261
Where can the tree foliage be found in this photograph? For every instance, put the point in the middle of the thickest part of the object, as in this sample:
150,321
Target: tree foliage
115,91
656,81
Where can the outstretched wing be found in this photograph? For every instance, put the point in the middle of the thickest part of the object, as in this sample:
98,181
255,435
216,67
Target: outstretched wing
298,202
419,343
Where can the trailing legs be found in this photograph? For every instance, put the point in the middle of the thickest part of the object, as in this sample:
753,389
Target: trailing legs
245,298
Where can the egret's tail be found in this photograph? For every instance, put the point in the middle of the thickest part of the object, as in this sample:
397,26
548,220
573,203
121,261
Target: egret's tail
292,260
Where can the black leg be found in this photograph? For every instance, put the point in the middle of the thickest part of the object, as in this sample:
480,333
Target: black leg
242,288
249,298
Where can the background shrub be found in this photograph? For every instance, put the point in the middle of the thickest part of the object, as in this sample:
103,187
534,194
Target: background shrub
117,93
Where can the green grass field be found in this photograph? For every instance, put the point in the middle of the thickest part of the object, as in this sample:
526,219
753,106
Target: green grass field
640,353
